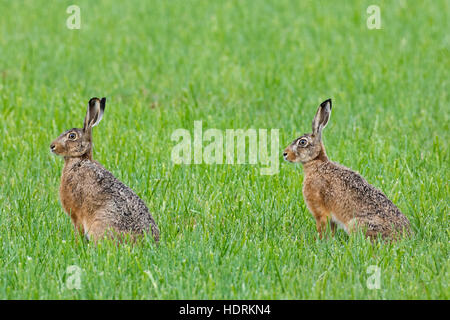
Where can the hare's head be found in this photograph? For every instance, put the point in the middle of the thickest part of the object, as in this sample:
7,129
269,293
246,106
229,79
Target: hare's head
78,142
309,146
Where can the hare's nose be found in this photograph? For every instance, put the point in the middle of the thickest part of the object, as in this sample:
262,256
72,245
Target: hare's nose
284,154
52,147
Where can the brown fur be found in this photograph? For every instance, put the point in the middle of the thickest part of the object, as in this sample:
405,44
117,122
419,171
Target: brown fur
337,194
98,204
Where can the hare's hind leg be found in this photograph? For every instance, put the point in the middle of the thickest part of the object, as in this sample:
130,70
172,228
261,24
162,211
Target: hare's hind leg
371,227
98,230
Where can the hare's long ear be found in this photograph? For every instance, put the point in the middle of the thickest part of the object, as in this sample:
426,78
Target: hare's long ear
94,113
322,116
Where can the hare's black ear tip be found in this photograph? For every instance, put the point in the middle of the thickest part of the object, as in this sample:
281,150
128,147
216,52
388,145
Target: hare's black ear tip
103,102
92,101
328,101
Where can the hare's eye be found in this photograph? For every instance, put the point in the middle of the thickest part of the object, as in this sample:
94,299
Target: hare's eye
72,136
302,142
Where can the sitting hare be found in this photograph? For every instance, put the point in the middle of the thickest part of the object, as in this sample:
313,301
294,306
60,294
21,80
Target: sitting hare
95,200
334,192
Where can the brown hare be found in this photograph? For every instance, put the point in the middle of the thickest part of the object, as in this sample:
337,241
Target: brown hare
336,193
98,203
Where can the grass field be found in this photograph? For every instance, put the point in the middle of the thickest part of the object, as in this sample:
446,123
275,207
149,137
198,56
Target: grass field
227,232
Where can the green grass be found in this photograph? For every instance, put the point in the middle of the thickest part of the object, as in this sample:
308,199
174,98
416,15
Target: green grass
227,232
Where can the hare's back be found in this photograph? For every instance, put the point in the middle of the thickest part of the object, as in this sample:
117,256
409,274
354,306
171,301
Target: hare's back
124,209
354,189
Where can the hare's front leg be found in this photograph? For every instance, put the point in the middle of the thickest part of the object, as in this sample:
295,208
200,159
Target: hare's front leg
321,224
321,214
333,227
78,226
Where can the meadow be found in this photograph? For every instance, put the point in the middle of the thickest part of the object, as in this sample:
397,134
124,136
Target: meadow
227,231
